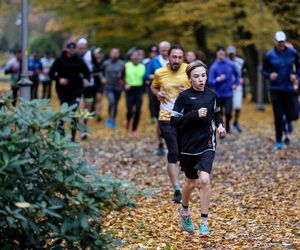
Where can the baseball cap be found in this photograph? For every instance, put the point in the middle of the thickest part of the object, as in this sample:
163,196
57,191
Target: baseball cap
231,50
71,45
280,36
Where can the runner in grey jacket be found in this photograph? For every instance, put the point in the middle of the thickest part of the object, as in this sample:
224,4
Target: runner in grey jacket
113,78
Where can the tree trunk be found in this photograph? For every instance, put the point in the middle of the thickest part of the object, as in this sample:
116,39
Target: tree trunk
251,58
200,35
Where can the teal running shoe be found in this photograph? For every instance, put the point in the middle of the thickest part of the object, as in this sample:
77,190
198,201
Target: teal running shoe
187,224
203,231
186,221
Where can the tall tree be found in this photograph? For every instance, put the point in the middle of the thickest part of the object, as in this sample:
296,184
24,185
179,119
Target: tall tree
111,22
288,15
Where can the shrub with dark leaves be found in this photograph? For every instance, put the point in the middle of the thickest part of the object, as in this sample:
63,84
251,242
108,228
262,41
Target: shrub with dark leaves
49,197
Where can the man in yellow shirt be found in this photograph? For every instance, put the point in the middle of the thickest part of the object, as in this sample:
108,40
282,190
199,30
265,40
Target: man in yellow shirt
168,82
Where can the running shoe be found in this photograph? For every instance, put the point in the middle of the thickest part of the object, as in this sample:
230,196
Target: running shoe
237,127
177,196
113,124
187,223
286,141
278,145
203,231
186,219
108,123
160,150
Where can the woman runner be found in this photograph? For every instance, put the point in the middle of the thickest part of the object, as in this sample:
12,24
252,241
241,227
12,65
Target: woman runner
197,112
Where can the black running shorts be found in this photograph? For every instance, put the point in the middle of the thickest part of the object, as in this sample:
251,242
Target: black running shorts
190,164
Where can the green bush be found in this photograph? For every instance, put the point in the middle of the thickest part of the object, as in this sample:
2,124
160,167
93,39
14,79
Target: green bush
49,197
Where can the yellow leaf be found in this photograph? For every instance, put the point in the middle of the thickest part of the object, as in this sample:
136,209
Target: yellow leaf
22,204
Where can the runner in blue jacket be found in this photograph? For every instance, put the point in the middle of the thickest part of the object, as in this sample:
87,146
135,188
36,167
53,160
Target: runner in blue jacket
224,77
281,67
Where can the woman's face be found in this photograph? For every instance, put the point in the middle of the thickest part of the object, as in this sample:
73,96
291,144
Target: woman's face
198,78
190,56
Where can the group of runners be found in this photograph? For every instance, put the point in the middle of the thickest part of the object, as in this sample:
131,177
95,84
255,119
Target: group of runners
186,98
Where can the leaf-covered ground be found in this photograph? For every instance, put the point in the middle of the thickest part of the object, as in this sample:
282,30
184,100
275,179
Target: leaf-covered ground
255,189
255,201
